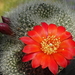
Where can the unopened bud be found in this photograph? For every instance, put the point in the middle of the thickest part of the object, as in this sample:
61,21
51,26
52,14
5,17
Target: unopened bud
5,20
5,29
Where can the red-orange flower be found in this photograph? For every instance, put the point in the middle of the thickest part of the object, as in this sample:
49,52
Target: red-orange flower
49,46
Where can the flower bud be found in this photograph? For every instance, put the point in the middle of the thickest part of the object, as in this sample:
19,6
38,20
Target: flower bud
5,29
6,20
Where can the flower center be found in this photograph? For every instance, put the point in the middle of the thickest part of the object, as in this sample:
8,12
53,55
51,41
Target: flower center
50,44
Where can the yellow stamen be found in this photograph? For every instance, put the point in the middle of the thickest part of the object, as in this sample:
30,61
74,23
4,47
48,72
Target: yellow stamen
50,44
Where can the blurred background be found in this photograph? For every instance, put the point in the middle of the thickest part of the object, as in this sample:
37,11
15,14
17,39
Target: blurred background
7,5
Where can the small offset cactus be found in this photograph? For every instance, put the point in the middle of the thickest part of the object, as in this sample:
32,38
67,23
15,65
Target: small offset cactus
23,18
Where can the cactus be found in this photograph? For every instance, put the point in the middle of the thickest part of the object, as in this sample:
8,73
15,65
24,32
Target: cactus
22,19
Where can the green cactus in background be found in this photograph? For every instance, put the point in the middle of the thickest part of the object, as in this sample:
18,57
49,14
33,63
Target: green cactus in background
23,18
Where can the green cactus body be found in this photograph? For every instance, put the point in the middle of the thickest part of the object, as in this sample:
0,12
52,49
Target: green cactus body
23,18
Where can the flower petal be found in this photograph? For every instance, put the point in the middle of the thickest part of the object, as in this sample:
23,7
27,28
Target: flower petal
65,35
45,26
68,62
52,65
61,61
67,43
28,57
52,29
28,40
35,36
44,61
40,30
67,54
72,50
31,48
60,30
36,62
